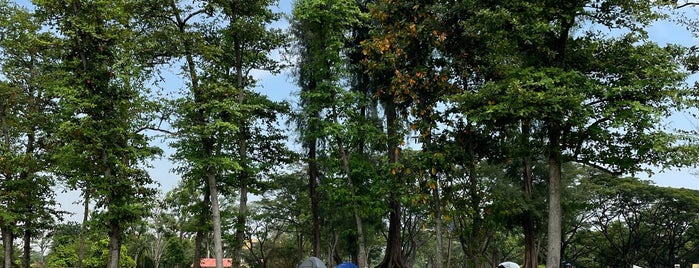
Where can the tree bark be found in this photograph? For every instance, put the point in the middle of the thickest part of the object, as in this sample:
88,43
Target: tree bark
114,244
7,238
83,229
313,194
555,217
439,254
528,224
393,253
27,247
199,237
216,217
361,244
243,178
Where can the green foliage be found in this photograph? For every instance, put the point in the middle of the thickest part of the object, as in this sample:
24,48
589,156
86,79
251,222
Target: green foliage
64,250
174,253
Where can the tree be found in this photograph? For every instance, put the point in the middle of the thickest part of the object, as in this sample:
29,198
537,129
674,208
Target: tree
26,122
177,32
403,54
242,45
105,111
320,28
592,94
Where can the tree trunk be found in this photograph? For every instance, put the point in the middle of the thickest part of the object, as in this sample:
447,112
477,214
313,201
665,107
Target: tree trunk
114,244
241,220
448,251
199,237
555,217
27,249
530,248
361,244
240,223
216,217
313,193
393,253
83,229
7,239
439,254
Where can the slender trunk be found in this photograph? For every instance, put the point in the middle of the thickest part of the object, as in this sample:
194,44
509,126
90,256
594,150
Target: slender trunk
7,238
5,230
240,223
553,258
27,249
114,231
299,245
361,254
530,250
393,254
199,237
83,229
86,209
439,254
241,220
436,204
194,79
216,217
313,193
448,251
361,250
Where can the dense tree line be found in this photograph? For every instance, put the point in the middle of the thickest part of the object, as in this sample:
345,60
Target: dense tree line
422,133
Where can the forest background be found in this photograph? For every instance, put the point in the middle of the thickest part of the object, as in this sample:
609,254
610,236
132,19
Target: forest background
425,133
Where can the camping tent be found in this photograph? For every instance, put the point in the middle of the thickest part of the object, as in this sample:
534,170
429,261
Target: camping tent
312,262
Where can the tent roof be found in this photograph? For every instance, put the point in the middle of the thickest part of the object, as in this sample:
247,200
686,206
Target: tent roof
312,262
509,264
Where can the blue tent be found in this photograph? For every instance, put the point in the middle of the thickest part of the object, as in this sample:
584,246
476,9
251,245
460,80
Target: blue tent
347,265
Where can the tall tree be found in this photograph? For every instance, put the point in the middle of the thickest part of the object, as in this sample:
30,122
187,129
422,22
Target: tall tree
402,53
593,94
102,96
177,30
28,57
320,28
246,120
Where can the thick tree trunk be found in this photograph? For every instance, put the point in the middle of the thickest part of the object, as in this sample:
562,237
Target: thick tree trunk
7,238
393,253
555,225
114,245
555,217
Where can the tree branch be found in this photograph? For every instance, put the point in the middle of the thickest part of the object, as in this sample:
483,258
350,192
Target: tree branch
686,5
155,129
599,167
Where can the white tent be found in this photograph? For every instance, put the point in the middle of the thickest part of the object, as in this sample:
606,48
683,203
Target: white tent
508,264
312,262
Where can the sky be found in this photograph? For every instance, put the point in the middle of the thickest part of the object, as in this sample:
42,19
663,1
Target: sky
281,87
